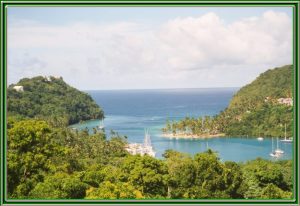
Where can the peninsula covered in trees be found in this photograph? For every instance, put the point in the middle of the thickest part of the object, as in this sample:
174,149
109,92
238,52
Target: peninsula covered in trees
261,108
51,98
46,160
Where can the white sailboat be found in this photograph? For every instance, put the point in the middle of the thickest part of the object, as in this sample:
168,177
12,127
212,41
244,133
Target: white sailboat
101,125
260,138
147,147
273,153
285,140
278,151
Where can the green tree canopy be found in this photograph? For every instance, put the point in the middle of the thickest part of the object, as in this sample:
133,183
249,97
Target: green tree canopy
53,100
31,144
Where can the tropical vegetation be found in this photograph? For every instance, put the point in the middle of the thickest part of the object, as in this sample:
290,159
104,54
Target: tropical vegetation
51,98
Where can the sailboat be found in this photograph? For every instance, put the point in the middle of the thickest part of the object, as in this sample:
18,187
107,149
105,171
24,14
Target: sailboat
147,146
273,153
260,138
279,151
285,140
101,125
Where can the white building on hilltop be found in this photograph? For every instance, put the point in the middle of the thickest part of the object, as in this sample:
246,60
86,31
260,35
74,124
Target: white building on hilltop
48,78
19,88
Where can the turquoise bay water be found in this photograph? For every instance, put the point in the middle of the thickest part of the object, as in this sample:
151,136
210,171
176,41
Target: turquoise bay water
130,112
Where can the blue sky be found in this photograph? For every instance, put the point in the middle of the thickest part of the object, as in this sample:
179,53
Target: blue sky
131,48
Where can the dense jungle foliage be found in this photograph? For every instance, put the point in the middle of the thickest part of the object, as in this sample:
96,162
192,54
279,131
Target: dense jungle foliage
253,111
51,98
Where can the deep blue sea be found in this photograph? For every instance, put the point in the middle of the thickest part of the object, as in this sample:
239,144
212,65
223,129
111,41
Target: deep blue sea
130,112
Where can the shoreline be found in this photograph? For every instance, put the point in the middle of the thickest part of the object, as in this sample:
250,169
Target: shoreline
190,136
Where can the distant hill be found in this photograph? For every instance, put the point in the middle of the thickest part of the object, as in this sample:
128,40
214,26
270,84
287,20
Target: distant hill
51,97
262,107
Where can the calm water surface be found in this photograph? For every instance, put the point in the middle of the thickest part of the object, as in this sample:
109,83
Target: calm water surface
130,112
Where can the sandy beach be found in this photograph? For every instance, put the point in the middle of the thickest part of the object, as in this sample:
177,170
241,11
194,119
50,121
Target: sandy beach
184,135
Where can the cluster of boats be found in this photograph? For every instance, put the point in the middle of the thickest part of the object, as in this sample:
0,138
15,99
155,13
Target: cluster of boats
135,148
142,149
278,152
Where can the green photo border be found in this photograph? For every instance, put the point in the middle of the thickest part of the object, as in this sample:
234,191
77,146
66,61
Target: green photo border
146,3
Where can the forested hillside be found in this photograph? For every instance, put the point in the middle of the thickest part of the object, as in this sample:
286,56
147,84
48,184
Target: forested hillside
256,108
261,108
51,98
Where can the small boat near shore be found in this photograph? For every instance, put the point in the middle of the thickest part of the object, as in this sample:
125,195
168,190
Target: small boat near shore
260,138
289,140
286,140
275,153
101,125
278,150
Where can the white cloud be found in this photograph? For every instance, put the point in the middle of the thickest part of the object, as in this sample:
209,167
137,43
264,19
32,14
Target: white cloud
183,52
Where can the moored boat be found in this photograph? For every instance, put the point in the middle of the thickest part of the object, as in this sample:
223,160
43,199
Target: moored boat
101,125
286,140
260,138
278,150
274,153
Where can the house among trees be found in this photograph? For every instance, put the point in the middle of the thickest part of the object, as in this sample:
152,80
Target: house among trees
19,88
286,101
49,78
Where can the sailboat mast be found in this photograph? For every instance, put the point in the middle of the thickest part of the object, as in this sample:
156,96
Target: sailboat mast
272,145
277,143
147,140
284,131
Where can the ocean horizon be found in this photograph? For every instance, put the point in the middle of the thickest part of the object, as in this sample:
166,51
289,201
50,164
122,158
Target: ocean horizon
145,89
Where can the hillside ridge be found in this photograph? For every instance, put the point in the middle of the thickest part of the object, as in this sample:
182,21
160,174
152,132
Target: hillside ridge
51,97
